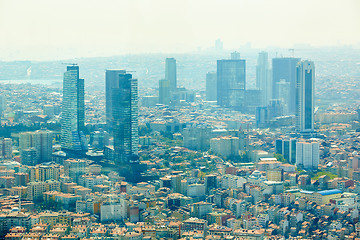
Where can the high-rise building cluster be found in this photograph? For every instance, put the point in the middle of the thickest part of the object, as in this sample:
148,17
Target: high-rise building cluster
121,114
225,161
284,94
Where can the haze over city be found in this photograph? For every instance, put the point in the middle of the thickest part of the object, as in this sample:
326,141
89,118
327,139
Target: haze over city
50,30
179,120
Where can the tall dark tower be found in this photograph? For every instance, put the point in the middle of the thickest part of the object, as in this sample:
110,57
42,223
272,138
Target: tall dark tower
111,81
284,71
231,82
124,105
305,86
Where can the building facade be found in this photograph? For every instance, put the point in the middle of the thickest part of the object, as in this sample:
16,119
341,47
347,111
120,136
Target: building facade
305,86
73,112
263,78
211,86
284,69
125,118
164,92
231,83
286,147
307,154
111,81
41,140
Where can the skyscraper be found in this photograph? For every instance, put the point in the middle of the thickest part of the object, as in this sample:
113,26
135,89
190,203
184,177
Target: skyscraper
231,83
211,87
164,92
73,112
125,118
111,81
263,78
170,73
285,68
305,89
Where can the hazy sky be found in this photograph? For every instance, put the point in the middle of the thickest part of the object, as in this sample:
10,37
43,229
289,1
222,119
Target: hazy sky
54,29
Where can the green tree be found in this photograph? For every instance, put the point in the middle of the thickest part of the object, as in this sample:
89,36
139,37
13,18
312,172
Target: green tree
280,157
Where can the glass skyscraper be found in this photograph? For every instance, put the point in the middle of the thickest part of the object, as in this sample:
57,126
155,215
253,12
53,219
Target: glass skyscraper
124,104
231,82
284,70
73,112
305,83
263,78
111,81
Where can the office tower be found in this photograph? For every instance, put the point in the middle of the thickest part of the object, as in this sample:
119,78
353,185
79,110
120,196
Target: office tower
263,78
307,155
41,140
305,86
231,83
170,73
73,112
285,68
287,148
125,118
211,86
5,148
283,91
111,81
164,92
